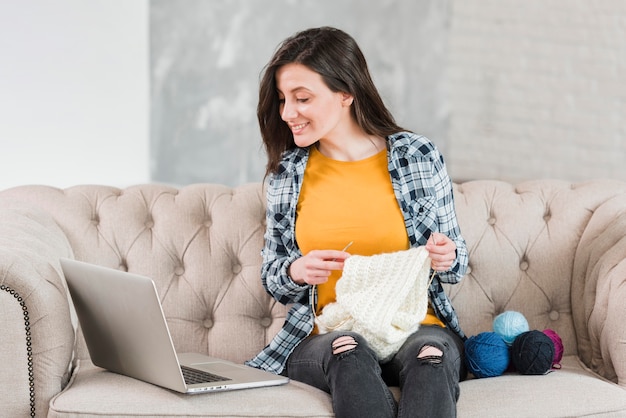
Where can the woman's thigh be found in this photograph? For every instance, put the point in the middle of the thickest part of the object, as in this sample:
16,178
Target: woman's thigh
343,364
318,359
430,345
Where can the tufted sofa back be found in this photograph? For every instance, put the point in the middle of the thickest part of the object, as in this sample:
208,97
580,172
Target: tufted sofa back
202,243
535,248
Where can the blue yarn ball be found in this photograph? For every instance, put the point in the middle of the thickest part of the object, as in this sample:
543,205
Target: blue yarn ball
486,355
509,325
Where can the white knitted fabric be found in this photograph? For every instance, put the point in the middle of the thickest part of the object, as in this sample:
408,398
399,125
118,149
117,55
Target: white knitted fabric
382,297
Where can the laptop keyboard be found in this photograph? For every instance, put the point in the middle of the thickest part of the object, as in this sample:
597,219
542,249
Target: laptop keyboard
193,376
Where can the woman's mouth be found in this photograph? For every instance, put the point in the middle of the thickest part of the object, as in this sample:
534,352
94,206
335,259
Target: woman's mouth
298,127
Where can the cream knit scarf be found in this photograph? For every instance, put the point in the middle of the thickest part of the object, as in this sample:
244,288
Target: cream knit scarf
382,297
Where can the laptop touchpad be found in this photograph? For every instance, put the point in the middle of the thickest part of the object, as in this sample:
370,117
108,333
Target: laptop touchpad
217,367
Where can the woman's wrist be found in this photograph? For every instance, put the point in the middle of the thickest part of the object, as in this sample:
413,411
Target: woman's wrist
297,280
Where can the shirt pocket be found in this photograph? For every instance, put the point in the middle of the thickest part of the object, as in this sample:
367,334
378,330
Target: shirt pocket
424,213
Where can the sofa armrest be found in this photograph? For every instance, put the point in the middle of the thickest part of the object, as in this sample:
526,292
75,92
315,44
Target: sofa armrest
37,328
599,291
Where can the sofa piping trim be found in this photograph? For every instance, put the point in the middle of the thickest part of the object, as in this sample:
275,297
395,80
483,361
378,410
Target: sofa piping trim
29,346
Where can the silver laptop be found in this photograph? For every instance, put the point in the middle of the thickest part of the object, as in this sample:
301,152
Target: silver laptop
126,332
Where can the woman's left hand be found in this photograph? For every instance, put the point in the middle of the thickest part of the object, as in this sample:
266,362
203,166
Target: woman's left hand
442,251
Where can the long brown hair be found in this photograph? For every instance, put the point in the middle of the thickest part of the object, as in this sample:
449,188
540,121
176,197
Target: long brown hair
335,56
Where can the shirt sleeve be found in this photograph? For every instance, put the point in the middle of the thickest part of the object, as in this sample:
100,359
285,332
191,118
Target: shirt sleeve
448,223
280,248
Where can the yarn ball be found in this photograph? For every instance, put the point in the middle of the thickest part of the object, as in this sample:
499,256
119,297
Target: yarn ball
532,352
509,325
558,347
486,355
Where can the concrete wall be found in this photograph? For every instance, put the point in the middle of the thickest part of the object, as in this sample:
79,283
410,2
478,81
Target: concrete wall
207,56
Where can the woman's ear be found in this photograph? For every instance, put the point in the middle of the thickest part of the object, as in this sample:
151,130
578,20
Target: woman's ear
347,99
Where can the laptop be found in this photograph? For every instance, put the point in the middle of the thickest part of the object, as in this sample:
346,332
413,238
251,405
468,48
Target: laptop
126,332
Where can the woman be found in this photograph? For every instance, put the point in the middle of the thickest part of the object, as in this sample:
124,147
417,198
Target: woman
341,171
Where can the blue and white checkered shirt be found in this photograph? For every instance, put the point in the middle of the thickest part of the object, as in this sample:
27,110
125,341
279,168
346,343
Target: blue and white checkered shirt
424,193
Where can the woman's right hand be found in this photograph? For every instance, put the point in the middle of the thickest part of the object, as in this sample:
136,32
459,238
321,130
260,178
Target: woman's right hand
315,267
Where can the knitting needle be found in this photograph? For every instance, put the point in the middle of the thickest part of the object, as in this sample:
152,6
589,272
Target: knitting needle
346,247
314,301
432,235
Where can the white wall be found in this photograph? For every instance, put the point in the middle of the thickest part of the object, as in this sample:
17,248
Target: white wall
74,92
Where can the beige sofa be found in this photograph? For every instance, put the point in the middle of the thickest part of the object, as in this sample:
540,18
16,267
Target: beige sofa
552,250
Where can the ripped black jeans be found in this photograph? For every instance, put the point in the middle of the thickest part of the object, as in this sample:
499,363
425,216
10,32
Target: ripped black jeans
428,368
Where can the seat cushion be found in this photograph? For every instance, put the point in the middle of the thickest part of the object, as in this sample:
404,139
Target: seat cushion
572,391
95,392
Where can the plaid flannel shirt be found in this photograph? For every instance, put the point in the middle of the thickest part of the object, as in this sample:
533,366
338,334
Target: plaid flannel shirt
424,193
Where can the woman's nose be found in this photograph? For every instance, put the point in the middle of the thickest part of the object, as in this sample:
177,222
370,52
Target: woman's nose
287,112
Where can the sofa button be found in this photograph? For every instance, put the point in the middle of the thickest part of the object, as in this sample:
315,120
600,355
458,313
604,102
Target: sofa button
237,268
523,265
266,322
491,221
208,323
179,271
554,315
469,270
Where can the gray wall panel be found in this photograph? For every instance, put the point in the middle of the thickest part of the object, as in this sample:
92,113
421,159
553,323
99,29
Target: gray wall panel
207,56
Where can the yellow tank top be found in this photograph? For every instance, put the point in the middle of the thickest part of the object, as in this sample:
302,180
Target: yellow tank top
349,201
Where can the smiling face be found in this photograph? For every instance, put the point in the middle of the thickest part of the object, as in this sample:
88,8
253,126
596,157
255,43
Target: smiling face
311,110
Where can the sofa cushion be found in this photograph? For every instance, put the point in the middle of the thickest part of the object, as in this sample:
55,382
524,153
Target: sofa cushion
95,392
570,391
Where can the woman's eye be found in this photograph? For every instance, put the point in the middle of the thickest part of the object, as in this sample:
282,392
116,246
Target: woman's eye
303,100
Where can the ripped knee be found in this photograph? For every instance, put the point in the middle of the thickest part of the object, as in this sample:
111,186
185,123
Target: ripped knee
344,344
430,355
